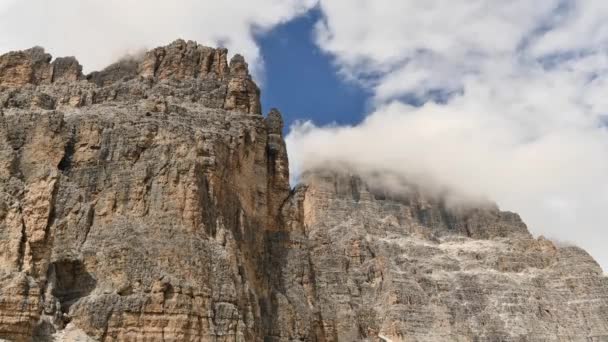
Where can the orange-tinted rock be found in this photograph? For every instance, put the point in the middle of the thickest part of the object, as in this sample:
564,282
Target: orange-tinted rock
23,67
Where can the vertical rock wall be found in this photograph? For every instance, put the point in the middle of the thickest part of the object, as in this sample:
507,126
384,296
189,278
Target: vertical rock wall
134,201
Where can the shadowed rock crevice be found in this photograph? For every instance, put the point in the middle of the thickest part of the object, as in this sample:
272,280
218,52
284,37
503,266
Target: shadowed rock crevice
66,161
70,282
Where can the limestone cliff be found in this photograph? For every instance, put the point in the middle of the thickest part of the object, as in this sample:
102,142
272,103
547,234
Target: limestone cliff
134,200
359,264
150,202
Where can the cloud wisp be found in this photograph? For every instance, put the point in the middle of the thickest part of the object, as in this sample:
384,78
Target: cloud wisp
510,103
99,32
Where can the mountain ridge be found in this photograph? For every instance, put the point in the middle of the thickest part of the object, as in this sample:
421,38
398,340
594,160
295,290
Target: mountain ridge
151,201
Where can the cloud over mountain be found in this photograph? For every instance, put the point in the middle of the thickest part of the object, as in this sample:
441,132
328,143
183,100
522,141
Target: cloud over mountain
499,99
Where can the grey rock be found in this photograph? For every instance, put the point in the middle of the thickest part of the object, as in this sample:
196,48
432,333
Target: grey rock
357,265
150,201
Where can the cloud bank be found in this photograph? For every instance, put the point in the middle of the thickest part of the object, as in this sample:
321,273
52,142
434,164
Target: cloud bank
98,32
510,103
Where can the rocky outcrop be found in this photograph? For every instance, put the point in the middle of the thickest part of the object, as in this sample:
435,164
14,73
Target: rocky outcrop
34,66
150,201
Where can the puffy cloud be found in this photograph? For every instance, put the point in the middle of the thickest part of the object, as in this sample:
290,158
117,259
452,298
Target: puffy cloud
433,40
100,31
513,103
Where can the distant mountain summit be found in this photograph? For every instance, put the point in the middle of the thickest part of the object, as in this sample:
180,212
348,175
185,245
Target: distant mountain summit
150,201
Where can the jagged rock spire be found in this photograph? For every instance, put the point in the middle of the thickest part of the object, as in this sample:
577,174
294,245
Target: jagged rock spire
274,122
33,66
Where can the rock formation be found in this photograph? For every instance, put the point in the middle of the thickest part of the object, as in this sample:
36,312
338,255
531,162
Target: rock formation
359,264
150,201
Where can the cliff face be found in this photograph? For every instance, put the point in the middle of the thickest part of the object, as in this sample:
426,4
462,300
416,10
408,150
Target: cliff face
134,201
358,264
150,202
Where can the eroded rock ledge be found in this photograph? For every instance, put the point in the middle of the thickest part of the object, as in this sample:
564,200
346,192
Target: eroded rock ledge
150,202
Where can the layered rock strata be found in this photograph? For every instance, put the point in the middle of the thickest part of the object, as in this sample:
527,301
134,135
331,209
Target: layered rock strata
150,201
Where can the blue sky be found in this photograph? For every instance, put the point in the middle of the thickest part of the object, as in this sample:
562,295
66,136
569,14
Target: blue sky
302,81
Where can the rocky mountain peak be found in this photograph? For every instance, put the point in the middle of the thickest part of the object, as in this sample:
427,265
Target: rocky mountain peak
182,59
185,70
274,121
150,201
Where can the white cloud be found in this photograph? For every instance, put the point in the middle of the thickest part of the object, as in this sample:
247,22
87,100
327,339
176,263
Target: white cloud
420,36
524,122
582,28
100,31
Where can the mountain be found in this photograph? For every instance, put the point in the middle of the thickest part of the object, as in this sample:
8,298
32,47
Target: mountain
150,201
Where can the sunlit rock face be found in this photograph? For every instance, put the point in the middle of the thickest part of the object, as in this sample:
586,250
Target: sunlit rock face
150,201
